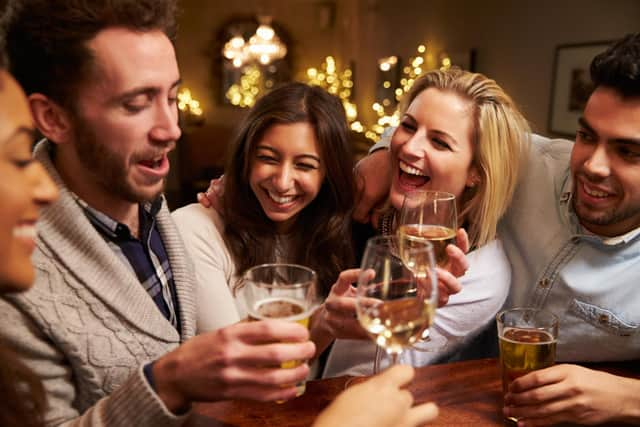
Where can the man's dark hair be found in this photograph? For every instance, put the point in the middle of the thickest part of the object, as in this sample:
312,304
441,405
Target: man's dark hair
46,40
619,67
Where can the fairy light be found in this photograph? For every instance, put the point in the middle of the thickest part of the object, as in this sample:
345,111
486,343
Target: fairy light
336,82
245,93
340,83
386,111
187,104
445,61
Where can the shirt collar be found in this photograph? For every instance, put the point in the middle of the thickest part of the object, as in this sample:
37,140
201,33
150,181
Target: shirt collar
115,229
565,200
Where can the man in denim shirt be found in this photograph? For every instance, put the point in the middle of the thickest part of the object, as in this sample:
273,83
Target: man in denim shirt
572,237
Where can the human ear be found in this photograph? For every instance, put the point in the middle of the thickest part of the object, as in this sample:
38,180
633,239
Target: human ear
52,120
473,177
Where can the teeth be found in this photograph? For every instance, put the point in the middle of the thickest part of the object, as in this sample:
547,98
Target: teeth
281,200
25,231
409,169
594,193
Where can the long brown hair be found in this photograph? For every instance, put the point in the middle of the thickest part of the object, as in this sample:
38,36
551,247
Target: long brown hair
320,238
23,398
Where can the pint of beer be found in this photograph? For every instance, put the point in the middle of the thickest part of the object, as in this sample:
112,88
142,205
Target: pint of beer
282,291
527,339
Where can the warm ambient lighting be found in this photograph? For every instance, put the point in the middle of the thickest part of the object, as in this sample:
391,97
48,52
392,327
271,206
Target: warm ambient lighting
189,108
337,83
187,104
245,93
264,47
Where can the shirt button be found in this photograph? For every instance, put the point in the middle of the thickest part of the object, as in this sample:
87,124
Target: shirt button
544,283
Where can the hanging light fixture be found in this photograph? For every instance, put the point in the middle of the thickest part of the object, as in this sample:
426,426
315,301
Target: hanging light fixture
264,47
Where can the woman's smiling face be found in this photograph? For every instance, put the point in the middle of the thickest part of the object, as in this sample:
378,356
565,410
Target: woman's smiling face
286,171
24,188
432,149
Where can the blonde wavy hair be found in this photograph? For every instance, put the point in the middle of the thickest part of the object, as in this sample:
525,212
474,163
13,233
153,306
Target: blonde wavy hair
501,139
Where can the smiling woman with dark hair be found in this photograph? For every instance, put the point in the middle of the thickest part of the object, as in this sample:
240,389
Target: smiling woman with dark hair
288,193
24,189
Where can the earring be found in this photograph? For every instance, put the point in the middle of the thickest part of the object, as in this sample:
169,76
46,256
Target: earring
475,180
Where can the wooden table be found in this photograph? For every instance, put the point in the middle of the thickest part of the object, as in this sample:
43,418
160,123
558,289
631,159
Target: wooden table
468,394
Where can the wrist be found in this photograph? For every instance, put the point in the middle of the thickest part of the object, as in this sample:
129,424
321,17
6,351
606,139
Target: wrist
319,331
631,407
164,373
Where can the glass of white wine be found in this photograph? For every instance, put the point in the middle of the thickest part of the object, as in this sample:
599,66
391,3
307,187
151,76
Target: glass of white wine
431,216
428,215
397,293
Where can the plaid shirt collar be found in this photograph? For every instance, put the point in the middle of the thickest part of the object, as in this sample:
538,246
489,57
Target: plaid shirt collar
117,230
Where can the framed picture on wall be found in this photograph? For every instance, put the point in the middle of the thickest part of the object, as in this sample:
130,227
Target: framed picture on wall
571,85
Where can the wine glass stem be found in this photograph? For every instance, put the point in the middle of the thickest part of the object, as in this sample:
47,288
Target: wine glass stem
376,360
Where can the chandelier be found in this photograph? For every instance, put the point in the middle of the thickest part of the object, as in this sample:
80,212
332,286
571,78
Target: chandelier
264,47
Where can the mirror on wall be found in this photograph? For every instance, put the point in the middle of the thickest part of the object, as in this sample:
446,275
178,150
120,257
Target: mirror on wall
251,56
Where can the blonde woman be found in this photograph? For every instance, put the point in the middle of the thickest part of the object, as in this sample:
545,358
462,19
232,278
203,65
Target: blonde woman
460,133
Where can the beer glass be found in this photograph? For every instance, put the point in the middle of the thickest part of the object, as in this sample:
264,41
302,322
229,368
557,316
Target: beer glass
527,339
282,291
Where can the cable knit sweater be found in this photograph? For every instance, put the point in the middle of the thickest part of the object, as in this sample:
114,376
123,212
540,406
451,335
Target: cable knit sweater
88,326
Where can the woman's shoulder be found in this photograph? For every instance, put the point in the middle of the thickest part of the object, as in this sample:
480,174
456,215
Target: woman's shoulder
196,215
199,226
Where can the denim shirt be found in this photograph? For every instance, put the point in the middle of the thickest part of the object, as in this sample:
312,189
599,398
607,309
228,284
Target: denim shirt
591,283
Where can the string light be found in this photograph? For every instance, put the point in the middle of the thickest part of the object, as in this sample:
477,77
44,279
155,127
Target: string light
337,83
341,84
187,104
245,93
189,107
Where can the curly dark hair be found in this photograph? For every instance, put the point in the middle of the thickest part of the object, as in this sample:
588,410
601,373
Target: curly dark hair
46,40
619,66
320,238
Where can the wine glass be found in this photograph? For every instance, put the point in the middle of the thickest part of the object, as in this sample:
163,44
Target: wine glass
429,215
397,293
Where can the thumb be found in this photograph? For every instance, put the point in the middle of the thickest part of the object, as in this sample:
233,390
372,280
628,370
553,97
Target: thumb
398,375
345,279
462,240
420,415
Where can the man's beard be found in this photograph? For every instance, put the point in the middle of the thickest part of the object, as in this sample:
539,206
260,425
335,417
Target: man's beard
606,217
107,167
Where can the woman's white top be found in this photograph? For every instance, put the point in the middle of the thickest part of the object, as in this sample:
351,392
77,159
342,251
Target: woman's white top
201,229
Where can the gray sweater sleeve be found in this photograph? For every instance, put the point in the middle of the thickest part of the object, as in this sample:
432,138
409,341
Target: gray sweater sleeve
384,141
132,403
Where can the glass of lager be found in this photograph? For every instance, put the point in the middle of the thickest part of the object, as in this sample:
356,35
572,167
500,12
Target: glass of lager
527,338
282,291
